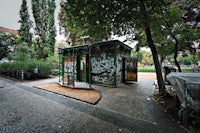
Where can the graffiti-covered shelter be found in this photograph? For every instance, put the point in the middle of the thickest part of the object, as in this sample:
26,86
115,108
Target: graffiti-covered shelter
106,63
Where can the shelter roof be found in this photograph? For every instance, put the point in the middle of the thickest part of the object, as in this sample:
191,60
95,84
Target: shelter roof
100,43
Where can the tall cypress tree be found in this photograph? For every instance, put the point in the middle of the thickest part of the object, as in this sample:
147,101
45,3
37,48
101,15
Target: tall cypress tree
39,8
43,13
51,25
26,24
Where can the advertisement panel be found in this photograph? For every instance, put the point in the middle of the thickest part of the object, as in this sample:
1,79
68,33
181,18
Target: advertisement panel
69,71
131,69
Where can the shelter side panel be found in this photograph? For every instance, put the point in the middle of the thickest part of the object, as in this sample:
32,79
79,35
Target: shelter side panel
103,69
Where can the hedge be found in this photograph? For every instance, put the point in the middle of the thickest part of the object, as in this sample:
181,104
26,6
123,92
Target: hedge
11,68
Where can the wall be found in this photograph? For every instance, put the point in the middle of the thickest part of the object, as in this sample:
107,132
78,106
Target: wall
119,69
69,70
103,69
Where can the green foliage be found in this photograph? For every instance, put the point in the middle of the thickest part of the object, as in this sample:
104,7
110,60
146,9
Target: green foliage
27,66
53,60
3,47
68,30
188,60
55,72
40,14
137,54
99,18
43,13
22,52
51,27
26,24
146,69
37,50
176,33
144,57
7,44
82,18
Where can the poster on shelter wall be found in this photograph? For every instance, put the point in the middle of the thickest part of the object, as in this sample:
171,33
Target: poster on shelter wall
69,71
131,69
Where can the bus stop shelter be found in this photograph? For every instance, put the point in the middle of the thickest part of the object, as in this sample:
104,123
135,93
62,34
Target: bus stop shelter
105,63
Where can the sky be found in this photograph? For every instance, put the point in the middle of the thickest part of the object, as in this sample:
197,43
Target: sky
9,13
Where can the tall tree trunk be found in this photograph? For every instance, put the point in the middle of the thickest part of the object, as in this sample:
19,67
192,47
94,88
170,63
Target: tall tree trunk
160,80
161,84
176,52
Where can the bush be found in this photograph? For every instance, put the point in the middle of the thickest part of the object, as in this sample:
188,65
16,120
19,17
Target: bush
27,66
55,72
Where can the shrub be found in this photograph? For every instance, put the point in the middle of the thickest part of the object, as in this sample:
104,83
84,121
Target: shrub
27,66
55,72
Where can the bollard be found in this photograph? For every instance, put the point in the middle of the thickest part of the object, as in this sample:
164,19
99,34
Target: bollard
35,72
22,76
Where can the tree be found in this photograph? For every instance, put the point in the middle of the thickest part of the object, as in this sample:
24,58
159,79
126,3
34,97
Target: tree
41,19
175,30
26,24
192,19
7,44
188,60
22,52
139,55
99,18
43,13
71,30
68,30
51,25
192,14
85,25
3,46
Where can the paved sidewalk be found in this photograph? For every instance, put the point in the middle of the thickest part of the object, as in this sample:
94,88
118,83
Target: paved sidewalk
129,106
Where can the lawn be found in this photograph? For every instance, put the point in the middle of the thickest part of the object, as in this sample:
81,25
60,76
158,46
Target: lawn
152,69
146,69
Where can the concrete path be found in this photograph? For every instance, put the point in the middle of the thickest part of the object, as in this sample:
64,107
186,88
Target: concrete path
127,108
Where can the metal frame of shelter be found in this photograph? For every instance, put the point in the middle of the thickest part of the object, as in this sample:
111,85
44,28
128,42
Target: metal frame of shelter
105,63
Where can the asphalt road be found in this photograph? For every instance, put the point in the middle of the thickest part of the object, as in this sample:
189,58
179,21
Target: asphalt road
123,109
23,111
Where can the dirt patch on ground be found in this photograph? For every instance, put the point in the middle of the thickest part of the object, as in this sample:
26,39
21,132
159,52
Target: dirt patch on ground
87,95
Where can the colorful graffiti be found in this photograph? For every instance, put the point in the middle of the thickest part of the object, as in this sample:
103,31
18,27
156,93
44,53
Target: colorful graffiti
70,70
103,69
119,69
69,65
131,66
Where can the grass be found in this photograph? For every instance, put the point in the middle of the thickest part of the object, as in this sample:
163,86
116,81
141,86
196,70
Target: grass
152,69
146,69
188,70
